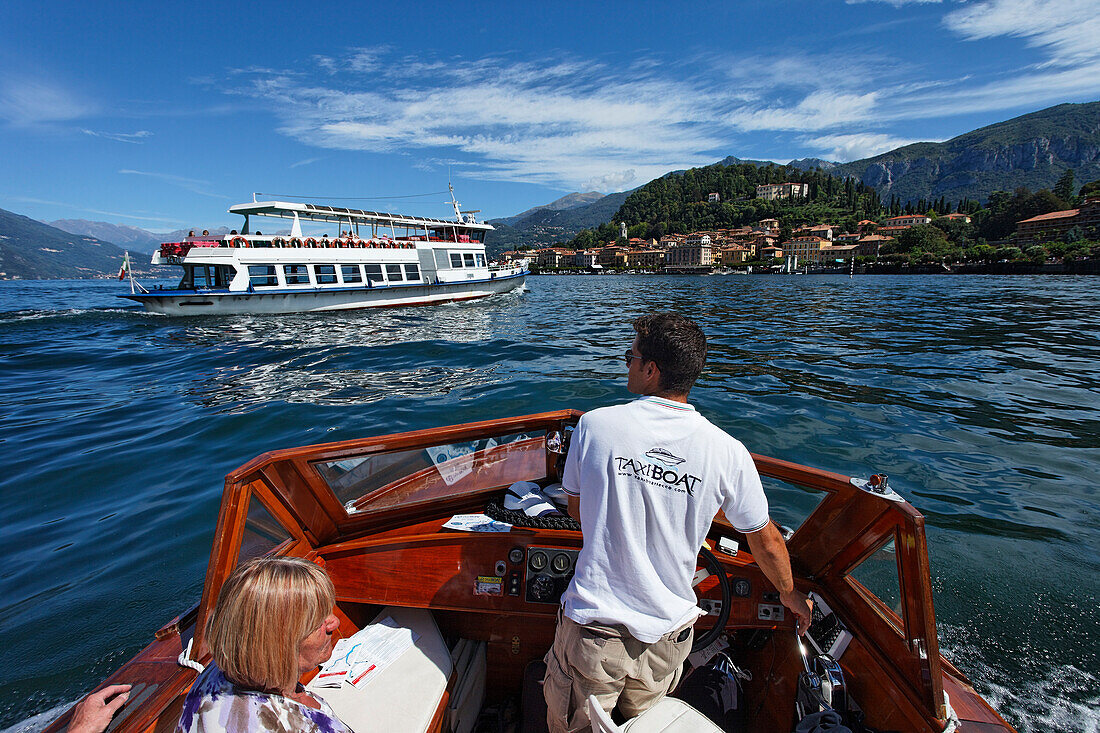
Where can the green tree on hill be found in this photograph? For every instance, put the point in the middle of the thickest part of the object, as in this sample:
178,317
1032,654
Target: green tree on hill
1064,188
1002,212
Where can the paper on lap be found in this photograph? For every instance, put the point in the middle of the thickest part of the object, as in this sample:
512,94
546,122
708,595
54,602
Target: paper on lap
359,658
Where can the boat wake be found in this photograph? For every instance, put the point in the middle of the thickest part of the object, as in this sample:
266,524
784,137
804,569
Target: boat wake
37,315
37,723
1041,697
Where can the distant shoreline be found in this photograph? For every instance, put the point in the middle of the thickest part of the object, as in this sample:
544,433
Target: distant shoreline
1079,267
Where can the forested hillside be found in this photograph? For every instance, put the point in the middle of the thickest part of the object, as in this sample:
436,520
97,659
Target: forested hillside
677,203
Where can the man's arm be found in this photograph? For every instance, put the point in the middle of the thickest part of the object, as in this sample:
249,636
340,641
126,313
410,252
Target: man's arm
770,552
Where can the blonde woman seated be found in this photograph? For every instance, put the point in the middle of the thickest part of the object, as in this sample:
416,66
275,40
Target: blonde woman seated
273,622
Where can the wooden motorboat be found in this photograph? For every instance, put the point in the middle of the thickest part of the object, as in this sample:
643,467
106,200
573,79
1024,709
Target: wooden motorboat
372,511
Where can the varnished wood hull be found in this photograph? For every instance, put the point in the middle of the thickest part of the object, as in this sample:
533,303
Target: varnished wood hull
389,548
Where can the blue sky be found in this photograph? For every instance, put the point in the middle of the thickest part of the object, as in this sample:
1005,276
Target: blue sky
161,115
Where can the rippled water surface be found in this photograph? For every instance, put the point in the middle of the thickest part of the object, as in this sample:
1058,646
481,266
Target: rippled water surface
977,395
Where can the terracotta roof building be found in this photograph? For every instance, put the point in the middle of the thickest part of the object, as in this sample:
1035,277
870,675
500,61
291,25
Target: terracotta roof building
1054,226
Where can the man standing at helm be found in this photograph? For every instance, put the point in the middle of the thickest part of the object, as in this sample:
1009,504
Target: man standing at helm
645,480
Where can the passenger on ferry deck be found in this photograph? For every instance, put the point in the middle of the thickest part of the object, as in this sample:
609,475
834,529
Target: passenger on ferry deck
205,232
273,622
645,480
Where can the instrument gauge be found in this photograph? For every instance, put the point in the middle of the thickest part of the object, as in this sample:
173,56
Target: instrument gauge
515,555
561,563
538,561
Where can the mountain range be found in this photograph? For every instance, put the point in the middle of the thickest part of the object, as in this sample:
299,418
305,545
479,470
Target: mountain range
127,237
32,250
1031,151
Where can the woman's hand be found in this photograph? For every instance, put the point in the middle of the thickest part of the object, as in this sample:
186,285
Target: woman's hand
93,714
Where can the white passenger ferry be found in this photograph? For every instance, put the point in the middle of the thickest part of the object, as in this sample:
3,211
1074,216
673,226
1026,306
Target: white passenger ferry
371,259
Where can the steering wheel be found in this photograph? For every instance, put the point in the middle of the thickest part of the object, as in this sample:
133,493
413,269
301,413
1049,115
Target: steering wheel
710,562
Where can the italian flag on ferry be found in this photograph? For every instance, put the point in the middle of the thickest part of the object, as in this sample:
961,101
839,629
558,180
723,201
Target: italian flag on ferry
125,266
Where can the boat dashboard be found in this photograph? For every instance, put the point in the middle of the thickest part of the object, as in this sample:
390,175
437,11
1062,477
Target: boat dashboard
523,571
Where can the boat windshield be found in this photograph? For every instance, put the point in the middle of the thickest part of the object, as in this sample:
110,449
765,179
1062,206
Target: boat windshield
411,476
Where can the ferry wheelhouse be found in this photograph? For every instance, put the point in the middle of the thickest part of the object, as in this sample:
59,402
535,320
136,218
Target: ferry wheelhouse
371,259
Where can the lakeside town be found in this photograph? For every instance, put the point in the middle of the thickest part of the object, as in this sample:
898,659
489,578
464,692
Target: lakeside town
764,246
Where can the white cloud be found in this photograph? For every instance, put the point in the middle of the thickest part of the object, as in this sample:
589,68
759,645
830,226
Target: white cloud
618,181
29,102
136,138
306,161
1067,29
557,123
895,3
580,123
818,110
101,212
854,146
1014,91
190,184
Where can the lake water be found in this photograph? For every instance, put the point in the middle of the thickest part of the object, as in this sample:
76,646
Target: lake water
977,395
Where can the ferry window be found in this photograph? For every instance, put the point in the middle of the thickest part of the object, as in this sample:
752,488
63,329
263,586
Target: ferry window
374,273
262,276
468,259
393,273
351,273
223,275
296,274
202,276
412,272
456,259
325,274
441,260
481,260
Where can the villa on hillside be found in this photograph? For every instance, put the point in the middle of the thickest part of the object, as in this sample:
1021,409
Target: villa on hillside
896,224
773,191
1055,225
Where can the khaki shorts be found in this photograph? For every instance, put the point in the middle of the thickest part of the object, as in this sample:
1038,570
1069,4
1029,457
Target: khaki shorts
606,661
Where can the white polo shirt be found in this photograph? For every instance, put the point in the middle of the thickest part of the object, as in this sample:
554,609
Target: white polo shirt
651,475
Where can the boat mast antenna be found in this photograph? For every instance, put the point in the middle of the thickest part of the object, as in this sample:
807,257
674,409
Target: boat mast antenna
454,203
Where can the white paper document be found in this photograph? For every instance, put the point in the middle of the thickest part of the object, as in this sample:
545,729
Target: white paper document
476,523
360,658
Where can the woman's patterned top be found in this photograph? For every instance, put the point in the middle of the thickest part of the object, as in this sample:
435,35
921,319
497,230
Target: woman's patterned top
216,705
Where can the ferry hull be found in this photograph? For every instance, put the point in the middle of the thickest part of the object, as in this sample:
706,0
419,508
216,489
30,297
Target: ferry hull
176,303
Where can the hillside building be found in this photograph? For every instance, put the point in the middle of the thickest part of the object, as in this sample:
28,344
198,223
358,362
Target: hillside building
773,191
1055,225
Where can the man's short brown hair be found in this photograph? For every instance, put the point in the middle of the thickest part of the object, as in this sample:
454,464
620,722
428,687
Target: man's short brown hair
676,344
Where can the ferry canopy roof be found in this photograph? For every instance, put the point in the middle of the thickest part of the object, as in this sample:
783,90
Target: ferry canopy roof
320,212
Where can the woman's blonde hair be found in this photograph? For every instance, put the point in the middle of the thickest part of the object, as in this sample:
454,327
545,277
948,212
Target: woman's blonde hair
265,609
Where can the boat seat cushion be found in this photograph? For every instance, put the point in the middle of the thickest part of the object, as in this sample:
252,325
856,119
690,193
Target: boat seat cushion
406,695
670,715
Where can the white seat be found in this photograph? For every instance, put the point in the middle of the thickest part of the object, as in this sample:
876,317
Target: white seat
406,695
670,715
